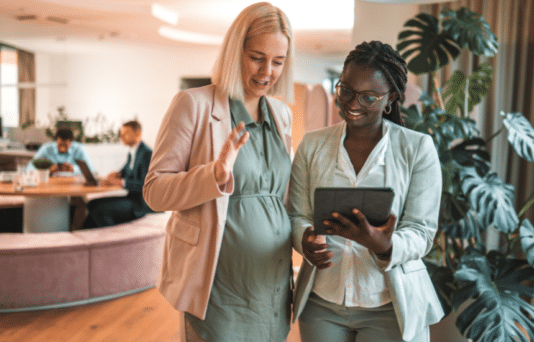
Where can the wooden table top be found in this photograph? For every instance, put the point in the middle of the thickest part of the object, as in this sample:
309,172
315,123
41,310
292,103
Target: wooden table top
57,187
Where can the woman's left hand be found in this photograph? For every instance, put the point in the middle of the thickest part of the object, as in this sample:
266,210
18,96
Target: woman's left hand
376,239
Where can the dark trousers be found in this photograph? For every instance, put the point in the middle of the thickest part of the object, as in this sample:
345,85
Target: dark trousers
109,211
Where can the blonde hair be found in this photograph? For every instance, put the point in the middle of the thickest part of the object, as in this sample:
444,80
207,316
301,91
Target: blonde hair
256,19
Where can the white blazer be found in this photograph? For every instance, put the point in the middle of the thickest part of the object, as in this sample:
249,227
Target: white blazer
181,179
413,170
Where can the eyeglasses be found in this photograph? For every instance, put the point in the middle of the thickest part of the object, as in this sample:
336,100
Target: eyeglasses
366,100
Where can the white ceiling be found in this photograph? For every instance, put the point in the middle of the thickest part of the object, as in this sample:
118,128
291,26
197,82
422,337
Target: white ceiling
74,25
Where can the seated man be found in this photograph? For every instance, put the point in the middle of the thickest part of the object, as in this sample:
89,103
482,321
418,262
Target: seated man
63,153
109,211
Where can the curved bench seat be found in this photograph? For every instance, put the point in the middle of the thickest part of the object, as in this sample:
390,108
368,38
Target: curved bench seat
48,270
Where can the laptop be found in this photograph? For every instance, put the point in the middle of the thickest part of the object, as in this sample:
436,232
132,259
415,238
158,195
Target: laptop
90,179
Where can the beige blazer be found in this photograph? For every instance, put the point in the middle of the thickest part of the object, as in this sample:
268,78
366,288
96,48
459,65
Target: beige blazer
413,171
181,179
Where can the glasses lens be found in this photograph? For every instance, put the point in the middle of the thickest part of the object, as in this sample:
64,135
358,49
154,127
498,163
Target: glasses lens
367,100
344,94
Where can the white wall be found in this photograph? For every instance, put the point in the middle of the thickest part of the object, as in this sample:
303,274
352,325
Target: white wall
380,21
125,82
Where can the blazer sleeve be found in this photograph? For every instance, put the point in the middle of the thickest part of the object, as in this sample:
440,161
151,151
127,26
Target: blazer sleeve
300,207
172,182
414,236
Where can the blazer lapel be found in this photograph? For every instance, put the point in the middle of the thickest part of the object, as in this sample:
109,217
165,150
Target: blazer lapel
221,125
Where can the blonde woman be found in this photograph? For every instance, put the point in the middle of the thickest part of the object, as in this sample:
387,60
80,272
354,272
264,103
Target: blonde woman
221,163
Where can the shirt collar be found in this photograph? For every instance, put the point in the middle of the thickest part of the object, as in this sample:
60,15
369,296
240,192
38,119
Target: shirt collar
240,113
133,149
377,155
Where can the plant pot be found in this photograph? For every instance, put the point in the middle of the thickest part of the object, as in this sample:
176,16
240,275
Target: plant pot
43,176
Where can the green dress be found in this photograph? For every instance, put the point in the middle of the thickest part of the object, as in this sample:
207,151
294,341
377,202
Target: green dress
250,297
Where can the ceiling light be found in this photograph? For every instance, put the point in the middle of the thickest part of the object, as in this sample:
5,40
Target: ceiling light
189,37
164,14
400,2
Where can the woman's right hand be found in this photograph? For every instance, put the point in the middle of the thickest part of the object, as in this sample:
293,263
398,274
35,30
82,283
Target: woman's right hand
225,163
314,247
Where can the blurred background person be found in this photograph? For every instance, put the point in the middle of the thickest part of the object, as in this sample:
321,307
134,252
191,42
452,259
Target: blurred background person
109,211
63,153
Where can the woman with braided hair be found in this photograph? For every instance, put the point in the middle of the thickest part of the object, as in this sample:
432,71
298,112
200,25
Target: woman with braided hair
361,283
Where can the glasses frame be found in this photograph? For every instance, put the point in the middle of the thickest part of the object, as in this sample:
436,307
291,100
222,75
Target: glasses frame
357,95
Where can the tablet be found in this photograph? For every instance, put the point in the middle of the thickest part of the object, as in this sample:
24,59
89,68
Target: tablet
374,203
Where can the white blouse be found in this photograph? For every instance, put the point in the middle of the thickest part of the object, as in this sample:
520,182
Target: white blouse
354,278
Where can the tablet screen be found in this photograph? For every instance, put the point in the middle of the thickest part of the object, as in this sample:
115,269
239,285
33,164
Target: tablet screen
374,203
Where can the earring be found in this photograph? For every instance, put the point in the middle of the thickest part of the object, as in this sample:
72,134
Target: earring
386,110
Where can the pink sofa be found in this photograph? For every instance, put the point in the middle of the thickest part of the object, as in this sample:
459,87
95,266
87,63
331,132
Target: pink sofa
46,270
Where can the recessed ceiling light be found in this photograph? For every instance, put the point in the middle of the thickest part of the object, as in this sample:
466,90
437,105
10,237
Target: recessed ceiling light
189,37
164,14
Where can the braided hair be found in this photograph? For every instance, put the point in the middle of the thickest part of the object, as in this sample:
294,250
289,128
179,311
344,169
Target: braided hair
383,57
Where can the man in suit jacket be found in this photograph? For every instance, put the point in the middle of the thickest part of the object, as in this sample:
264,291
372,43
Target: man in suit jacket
110,211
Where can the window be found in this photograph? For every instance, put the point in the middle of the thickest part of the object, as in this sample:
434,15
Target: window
9,95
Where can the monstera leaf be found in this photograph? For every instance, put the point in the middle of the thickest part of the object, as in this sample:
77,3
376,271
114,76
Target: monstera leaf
455,128
526,232
492,199
468,153
424,46
494,285
454,93
465,228
469,29
520,134
411,116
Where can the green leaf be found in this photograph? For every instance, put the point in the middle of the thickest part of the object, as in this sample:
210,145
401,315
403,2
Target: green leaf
526,232
423,45
493,283
520,135
492,199
465,228
454,92
470,153
411,116
469,29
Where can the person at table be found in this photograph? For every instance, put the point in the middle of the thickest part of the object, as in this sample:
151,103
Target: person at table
63,153
221,163
110,211
360,282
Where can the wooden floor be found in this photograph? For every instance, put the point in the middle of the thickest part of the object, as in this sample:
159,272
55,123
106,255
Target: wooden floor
141,317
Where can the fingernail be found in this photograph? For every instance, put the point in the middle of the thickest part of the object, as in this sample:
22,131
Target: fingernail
335,215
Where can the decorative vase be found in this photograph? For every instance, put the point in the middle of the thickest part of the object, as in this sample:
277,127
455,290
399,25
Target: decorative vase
43,176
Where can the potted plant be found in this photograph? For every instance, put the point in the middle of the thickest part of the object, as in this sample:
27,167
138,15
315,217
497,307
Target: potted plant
487,288
42,165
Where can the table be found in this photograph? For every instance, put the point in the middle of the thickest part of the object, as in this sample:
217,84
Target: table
46,206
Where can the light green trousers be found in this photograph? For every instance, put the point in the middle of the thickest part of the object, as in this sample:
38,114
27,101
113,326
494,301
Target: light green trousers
325,321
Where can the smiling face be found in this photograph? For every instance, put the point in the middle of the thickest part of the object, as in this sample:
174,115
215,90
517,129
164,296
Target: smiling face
262,63
63,145
361,79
